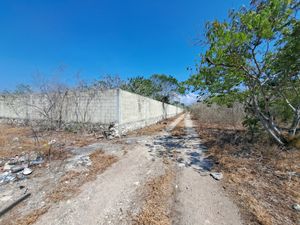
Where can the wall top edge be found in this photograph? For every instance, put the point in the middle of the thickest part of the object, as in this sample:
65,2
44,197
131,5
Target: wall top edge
121,90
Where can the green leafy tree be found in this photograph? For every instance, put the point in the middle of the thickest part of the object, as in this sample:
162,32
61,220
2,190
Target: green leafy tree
254,58
286,64
159,86
140,85
166,87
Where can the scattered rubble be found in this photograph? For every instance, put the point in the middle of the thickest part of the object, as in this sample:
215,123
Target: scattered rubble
6,177
112,132
15,139
7,167
296,207
78,162
25,166
37,161
27,171
52,142
217,176
84,161
17,168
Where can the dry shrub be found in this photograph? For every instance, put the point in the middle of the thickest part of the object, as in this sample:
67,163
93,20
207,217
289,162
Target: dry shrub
27,143
219,115
263,178
156,207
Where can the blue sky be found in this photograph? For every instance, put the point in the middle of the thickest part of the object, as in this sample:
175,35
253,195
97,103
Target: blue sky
94,38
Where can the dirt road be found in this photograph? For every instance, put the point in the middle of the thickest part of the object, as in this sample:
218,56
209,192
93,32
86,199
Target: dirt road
119,194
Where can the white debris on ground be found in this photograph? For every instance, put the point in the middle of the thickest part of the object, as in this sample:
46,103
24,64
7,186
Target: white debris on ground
18,167
31,173
78,163
52,142
112,132
296,207
217,176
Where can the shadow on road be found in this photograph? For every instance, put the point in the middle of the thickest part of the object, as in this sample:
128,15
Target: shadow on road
186,150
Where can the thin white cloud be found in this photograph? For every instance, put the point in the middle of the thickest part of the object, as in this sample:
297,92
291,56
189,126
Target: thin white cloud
188,99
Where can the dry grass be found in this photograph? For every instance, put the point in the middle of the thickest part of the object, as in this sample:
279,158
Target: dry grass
155,128
16,140
263,178
8,146
33,217
156,206
216,115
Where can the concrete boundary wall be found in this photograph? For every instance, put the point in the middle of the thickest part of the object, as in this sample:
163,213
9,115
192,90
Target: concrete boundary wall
82,107
136,111
126,110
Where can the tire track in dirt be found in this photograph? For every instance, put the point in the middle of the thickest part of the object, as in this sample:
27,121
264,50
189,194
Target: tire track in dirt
108,198
160,181
113,196
156,195
198,199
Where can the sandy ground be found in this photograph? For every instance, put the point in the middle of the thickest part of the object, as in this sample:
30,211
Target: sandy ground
115,195
200,199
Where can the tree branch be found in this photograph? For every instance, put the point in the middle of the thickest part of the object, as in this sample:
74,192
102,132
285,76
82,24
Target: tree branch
289,103
231,66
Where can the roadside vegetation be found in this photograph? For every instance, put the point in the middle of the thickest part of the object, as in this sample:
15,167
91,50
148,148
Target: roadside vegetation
253,58
262,177
249,119
219,115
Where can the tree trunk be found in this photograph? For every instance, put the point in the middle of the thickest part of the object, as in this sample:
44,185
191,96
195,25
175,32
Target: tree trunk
272,130
268,124
295,124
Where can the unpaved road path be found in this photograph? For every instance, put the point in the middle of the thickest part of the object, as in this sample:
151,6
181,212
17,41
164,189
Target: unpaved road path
115,195
200,199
